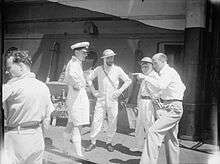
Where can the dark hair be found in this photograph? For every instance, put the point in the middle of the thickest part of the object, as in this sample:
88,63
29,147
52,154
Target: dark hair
11,49
21,57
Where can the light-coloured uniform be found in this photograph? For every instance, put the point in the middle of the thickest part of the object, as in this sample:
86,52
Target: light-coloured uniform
77,99
25,99
106,103
146,112
166,126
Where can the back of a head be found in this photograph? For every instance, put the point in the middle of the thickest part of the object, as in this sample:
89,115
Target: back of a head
21,57
11,49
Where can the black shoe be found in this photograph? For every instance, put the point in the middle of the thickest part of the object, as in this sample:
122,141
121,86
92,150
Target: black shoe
90,147
109,147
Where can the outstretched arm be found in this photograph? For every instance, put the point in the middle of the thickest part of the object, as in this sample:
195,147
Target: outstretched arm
161,83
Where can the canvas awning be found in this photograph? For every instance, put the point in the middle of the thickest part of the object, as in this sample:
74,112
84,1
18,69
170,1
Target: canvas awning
168,14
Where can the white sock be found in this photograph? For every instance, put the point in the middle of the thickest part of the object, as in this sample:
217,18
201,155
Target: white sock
76,137
66,142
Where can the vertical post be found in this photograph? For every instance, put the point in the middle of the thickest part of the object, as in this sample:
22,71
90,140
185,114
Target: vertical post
215,33
2,52
193,67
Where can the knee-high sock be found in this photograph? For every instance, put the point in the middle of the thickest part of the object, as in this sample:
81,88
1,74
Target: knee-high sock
76,137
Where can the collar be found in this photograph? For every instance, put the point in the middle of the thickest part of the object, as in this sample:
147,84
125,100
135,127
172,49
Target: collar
26,75
76,59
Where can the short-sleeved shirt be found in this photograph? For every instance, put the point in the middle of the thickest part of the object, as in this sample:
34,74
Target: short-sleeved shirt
26,99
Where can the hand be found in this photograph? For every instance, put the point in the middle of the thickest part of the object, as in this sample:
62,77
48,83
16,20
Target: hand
139,75
116,94
97,93
76,87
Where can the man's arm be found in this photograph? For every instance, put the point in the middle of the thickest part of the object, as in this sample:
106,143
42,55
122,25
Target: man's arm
139,93
127,81
161,82
6,92
92,75
49,109
73,78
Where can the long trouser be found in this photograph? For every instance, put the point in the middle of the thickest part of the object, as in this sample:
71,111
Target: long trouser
24,146
72,133
101,109
165,127
145,119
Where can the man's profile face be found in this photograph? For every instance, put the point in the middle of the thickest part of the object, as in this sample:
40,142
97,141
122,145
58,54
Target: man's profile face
81,54
146,67
157,64
109,60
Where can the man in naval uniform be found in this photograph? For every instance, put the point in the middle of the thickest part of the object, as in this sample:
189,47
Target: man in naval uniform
77,99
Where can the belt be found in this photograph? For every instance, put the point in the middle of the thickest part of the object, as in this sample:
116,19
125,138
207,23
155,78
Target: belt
24,125
170,101
145,97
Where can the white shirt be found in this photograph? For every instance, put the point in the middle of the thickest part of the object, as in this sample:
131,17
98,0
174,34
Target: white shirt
115,73
74,74
169,82
26,99
77,99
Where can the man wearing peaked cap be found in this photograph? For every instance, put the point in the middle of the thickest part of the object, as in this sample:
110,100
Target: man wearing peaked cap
77,99
146,113
80,45
107,97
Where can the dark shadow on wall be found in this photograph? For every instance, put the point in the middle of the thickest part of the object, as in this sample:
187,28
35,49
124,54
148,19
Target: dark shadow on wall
52,60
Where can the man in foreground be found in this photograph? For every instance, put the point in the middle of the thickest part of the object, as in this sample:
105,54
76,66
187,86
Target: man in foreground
166,126
27,108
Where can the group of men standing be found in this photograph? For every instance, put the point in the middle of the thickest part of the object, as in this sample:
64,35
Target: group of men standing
159,104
